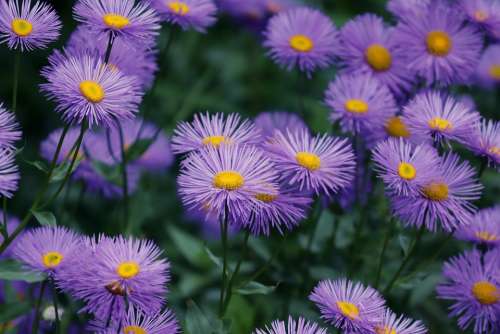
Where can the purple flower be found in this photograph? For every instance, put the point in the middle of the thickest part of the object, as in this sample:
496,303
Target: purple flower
301,37
368,47
10,131
488,69
392,324
473,284
483,229
407,8
12,223
438,45
49,146
212,130
320,164
271,121
484,13
85,88
300,326
349,306
446,199
9,173
359,103
132,22
195,14
433,116
28,26
485,142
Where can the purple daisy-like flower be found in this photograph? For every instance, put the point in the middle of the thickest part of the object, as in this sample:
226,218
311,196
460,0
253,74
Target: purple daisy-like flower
446,199
130,21
484,13
349,306
301,37
473,284
483,229
271,121
406,8
212,130
438,45
27,26
85,88
48,249
301,326
10,131
404,167
433,116
196,14
320,164
368,47
359,103
488,69
392,324
485,141
9,173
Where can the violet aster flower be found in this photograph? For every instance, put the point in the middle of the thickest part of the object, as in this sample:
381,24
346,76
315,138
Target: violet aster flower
349,306
9,173
406,8
301,37
484,13
488,69
271,121
300,326
195,14
483,229
404,167
320,164
439,46
368,47
485,141
433,116
84,88
472,284
392,324
10,131
28,25
359,103
446,199
130,21
213,130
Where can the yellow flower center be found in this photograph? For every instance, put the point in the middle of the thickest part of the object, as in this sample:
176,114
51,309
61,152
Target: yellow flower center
486,236
480,16
214,140
436,191
407,171
348,309
378,57
228,180
396,128
301,43
178,7
52,259
494,150
485,292
92,91
439,43
115,21
495,71
308,160
440,124
267,198
356,106
134,330
385,330
21,27
127,269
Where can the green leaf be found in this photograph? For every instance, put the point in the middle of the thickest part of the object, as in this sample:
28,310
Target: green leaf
256,288
110,173
13,271
196,321
191,248
11,311
138,148
215,259
60,171
45,218
40,165
404,243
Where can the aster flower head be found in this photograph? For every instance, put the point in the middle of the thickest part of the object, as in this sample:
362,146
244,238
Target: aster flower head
438,45
368,47
432,116
131,21
270,122
28,25
392,324
10,131
195,14
406,8
320,164
472,284
301,326
9,173
488,69
211,131
360,103
301,37
485,141
445,201
483,229
349,306
484,13
85,88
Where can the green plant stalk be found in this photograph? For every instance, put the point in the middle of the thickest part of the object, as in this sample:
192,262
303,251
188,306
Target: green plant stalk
15,85
56,308
36,321
123,168
387,238
223,228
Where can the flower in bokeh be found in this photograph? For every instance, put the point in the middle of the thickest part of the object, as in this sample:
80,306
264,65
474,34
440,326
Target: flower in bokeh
485,142
488,69
301,326
9,173
195,14
10,131
392,324
473,284
483,229
349,306
483,13
301,37
270,122
48,147
28,25
407,8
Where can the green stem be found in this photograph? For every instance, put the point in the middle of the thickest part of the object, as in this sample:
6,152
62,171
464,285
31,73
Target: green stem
17,65
36,321
223,228
3,227
56,309
111,40
123,168
482,168
314,219
387,238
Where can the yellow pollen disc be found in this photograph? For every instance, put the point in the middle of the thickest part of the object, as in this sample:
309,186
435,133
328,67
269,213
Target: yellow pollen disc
495,71
356,106
378,57
439,43
115,21
52,259
494,150
485,292
407,171
348,309
486,236
436,191
267,198
134,330
308,160
228,180
301,43
21,27
480,16
440,124
385,330
214,140
92,91
178,7
127,269
396,128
